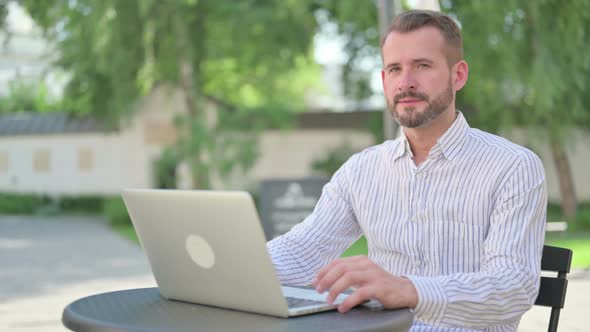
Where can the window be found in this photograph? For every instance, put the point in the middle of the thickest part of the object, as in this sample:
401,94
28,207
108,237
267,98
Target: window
85,159
41,160
3,161
159,132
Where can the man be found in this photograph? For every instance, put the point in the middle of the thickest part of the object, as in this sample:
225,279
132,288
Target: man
454,217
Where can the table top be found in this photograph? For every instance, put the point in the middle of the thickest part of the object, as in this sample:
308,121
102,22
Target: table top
145,309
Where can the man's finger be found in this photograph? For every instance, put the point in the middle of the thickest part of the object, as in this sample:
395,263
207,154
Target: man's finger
359,296
348,279
330,273
330,277
325,270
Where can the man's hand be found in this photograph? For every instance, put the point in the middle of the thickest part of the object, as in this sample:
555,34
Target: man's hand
369,280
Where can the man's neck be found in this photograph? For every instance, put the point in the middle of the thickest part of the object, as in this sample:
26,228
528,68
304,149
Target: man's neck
424,138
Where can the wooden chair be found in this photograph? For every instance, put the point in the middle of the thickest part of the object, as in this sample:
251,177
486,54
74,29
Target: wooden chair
553,289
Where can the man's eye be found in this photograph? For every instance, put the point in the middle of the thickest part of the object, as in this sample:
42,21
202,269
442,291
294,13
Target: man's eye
394,69
422,66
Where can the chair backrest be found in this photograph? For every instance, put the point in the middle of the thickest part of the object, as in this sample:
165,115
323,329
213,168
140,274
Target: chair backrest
553,289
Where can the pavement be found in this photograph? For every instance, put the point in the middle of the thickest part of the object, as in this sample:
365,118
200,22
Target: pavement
48,262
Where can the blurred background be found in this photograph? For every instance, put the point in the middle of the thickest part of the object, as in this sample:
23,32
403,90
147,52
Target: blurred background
265,96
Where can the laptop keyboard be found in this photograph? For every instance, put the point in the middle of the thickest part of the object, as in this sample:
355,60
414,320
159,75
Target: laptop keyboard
294,302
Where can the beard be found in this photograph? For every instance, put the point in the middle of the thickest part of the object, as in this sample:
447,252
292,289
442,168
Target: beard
410,117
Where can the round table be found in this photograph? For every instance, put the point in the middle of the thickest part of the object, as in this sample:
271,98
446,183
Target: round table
145,309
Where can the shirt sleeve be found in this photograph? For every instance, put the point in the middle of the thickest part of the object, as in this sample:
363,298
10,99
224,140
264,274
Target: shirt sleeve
508,282
322,237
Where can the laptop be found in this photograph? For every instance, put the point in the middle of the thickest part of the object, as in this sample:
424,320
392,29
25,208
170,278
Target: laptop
208,247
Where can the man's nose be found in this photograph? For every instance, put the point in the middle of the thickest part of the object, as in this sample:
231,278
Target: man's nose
406,82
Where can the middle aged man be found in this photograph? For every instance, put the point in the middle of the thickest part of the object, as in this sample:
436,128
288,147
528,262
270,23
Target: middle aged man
454,217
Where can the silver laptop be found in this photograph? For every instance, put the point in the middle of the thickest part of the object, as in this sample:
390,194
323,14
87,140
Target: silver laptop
208,247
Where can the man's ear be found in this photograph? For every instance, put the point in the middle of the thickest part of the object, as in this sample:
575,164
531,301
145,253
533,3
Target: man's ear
460,74
383,78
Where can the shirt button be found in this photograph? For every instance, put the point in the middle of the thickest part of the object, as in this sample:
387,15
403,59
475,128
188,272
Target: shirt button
414,218
418,263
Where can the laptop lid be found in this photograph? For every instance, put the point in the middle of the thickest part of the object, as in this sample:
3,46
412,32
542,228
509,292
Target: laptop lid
208,247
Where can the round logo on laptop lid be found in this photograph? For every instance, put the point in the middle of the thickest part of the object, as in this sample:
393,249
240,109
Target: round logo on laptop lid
200,251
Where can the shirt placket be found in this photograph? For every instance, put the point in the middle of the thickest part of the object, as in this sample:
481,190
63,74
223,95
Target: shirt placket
415,215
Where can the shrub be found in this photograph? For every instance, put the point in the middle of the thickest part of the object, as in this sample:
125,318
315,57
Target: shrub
554,212
22,203
164,169
331,161
115,212
83,204
582,219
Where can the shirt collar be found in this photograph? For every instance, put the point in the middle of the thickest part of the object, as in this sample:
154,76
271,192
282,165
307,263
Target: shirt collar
449,144
402,147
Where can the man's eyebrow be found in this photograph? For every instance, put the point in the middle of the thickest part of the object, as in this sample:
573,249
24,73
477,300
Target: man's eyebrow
418,60
389,66
423,60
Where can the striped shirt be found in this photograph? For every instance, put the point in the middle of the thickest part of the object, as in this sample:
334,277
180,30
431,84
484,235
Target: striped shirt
466,226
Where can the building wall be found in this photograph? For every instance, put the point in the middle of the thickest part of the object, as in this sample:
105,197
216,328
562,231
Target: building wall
125,159
105,164
79,163
291,154
578,152
70,164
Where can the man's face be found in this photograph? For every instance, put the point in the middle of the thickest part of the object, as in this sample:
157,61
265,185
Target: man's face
417,80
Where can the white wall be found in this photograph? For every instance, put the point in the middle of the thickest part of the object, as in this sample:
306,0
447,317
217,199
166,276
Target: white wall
118,162
291,153
578,152
125,159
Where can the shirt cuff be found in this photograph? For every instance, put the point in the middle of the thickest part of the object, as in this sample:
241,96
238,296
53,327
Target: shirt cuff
432,300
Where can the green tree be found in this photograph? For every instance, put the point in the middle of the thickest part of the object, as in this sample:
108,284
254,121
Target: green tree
529,64
358,26
28,97
248,61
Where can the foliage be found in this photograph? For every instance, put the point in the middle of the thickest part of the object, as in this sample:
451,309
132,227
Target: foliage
115,212
128,232
27,97
333,159
529,66
581,221
227,57
375,126
21,203
578,242
528,60
81,204
329,164
358,27
554,212
14,203
3,11
164,169
359,247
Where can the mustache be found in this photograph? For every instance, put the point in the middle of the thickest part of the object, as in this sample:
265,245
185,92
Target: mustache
409,94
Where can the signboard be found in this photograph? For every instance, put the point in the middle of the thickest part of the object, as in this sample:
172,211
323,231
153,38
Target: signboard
285,203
